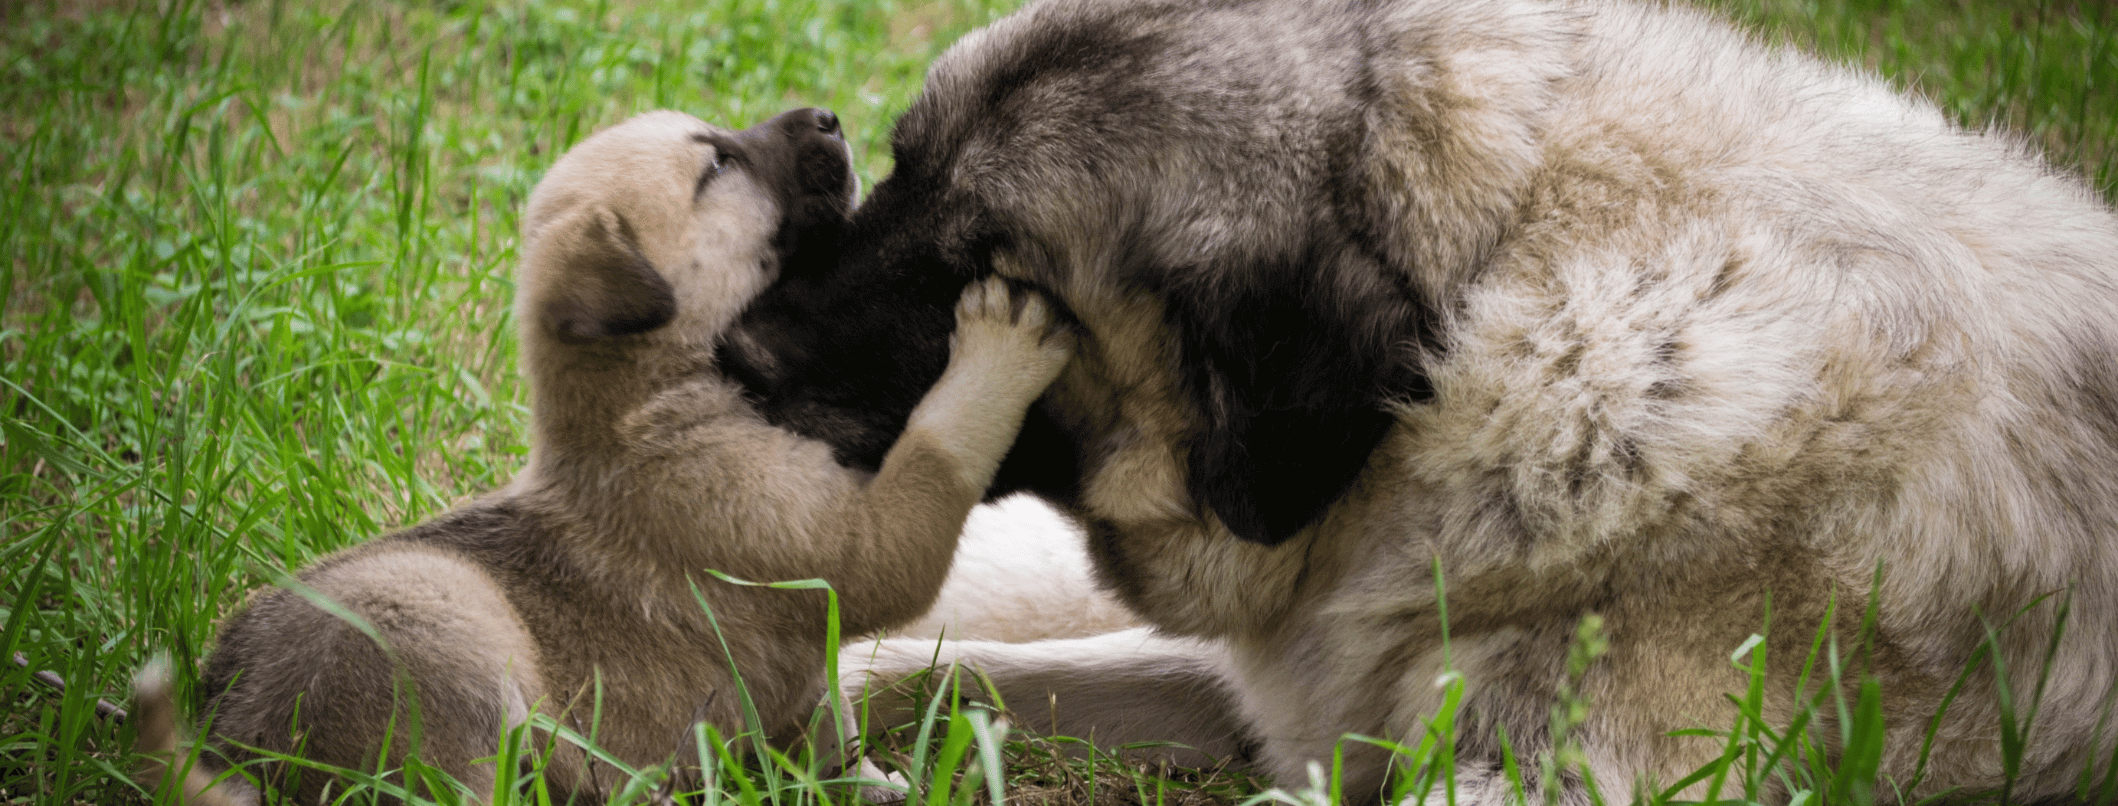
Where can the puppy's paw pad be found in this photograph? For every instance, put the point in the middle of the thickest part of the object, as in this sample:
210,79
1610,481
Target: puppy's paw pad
987,300
1055,343
1013,327
1034,312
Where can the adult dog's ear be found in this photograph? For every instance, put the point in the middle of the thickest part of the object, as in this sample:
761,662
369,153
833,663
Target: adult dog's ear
1291,367
599,283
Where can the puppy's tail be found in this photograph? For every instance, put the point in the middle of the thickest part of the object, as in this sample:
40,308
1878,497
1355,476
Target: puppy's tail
154,715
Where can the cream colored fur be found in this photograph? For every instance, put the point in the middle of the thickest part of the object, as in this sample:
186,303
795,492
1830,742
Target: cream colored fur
580,591
1722,326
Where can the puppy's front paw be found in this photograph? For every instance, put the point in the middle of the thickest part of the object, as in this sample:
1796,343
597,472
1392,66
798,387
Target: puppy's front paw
1013,334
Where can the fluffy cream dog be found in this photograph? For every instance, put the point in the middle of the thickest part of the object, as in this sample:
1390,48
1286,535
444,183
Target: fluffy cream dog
580,591
1594,305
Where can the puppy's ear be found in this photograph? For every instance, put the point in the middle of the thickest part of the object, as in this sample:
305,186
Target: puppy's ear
601,284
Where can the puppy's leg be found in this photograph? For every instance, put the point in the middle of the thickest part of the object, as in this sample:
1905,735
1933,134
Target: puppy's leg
160,741
1006,350
1117,689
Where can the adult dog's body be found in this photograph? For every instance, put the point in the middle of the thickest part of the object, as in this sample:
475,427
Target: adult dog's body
1596,307
581,590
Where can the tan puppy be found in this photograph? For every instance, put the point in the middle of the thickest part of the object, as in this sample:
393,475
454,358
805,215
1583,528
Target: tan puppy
579,591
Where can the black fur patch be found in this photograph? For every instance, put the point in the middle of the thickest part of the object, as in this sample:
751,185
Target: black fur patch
856,343
1291,364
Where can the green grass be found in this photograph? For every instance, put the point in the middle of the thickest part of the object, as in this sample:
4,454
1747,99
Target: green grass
254,304
2046,68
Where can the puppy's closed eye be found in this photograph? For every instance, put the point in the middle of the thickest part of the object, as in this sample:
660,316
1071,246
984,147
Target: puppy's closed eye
722,158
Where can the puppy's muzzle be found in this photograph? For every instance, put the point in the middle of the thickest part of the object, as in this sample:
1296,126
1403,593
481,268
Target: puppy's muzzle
827,122
802,155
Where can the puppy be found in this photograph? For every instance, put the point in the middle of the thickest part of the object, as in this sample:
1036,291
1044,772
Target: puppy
580,591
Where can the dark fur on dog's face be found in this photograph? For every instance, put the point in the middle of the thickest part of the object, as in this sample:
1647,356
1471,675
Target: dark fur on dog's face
1077,155
842,351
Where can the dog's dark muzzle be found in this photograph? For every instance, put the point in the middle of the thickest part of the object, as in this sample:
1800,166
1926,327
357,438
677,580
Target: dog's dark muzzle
802,156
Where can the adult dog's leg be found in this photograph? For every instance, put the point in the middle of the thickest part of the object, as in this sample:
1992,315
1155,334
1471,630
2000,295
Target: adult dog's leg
1124,691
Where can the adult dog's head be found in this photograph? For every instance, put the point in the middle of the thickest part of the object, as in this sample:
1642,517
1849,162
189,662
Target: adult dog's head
1253,232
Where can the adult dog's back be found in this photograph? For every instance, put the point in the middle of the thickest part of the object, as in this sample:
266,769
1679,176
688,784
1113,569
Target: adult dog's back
1599,307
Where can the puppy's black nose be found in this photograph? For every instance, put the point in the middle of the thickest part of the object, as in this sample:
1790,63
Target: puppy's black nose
826,122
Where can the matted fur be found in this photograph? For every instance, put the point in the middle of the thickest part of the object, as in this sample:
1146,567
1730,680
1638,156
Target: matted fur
580,590
1599,306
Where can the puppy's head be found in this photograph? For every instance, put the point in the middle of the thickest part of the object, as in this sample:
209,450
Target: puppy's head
658,230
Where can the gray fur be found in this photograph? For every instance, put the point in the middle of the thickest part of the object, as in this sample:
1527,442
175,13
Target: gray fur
1662,325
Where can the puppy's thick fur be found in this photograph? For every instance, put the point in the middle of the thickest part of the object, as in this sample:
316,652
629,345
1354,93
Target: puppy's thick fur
1597,306
580,591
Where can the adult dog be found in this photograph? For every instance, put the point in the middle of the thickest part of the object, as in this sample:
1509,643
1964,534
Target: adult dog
1588,307
580,591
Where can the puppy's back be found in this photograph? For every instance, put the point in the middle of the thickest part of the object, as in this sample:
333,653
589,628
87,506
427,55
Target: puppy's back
398,643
